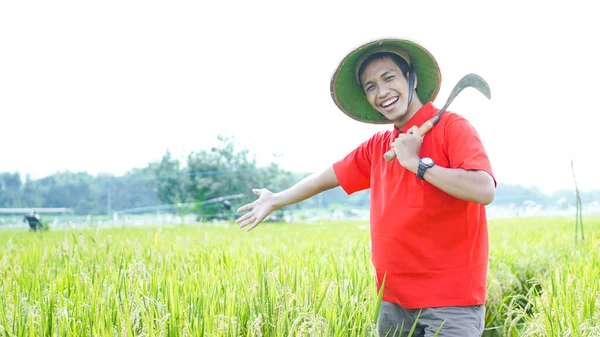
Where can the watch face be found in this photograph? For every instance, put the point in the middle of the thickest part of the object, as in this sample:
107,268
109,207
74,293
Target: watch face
427,161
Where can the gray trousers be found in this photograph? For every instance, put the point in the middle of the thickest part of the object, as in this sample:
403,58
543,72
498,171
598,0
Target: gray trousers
457,321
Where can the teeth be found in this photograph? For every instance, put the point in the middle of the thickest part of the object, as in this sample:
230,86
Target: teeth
389,102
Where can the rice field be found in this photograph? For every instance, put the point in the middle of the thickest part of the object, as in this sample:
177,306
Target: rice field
278,280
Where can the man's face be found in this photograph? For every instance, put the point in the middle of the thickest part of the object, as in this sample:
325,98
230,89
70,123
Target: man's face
386,88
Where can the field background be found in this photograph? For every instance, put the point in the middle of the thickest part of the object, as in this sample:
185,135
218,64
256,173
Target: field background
298,279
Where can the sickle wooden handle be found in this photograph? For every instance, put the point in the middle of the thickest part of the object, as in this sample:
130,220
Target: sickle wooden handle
391,154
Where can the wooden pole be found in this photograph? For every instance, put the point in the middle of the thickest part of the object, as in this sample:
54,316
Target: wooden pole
578,212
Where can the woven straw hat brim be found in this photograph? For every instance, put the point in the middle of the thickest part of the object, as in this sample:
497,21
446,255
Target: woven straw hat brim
349,96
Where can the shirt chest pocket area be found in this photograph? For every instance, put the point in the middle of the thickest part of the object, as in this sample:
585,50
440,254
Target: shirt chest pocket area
420,193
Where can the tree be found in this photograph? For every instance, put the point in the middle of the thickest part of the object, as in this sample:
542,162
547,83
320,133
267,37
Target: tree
10,189
168,180
225,169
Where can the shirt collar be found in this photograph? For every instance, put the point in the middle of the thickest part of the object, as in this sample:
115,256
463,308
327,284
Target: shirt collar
423,115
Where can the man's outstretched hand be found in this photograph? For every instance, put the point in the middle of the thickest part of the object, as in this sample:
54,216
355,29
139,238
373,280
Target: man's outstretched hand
258,209
268,201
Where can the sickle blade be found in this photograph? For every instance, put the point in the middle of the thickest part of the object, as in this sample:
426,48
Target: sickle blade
469,80
473,81
477,82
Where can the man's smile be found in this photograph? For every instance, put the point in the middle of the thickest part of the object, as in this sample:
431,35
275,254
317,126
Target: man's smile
389,103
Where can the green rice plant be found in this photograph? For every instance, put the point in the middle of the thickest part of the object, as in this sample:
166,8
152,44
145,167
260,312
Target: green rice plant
187,280
570,302
523,255
278,280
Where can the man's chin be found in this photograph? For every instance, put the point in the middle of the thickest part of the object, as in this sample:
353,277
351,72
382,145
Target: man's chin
393,116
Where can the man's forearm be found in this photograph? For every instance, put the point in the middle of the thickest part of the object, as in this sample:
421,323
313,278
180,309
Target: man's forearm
477,186
307,188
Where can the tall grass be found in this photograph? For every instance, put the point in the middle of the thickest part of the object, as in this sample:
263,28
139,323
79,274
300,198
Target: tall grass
278,280
569,304
538,278
176,281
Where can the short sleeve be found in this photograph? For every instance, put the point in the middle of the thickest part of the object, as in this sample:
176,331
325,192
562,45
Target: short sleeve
354,170
465,149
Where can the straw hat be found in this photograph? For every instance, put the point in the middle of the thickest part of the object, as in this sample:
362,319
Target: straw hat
348,94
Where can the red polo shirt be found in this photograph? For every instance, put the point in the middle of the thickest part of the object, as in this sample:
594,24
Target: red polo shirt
432,247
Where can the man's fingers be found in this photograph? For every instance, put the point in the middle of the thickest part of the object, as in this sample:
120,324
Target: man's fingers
250,205
244,217
250,218
246,207
253,226
253,221
248,221
256,222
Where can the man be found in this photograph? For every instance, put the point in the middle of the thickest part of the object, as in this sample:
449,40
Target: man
427,216
34,220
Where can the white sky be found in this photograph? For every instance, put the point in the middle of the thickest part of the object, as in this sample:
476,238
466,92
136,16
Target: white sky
111,85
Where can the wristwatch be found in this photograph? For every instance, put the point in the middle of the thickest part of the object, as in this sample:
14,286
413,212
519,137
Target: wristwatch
424,164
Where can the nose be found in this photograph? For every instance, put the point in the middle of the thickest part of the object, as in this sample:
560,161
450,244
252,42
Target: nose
383,90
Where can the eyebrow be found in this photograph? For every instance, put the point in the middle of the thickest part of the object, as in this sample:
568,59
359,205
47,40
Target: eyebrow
382,75
387,72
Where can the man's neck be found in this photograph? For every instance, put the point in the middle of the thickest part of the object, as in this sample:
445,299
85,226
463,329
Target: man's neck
415,106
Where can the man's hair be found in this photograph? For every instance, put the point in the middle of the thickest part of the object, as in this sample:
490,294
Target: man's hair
400,62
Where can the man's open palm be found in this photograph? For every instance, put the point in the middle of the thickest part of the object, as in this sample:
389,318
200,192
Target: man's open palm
258,210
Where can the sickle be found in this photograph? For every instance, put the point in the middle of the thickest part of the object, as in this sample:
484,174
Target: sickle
469,80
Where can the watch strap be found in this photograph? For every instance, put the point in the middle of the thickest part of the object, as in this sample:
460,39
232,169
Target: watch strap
422,168
421,171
